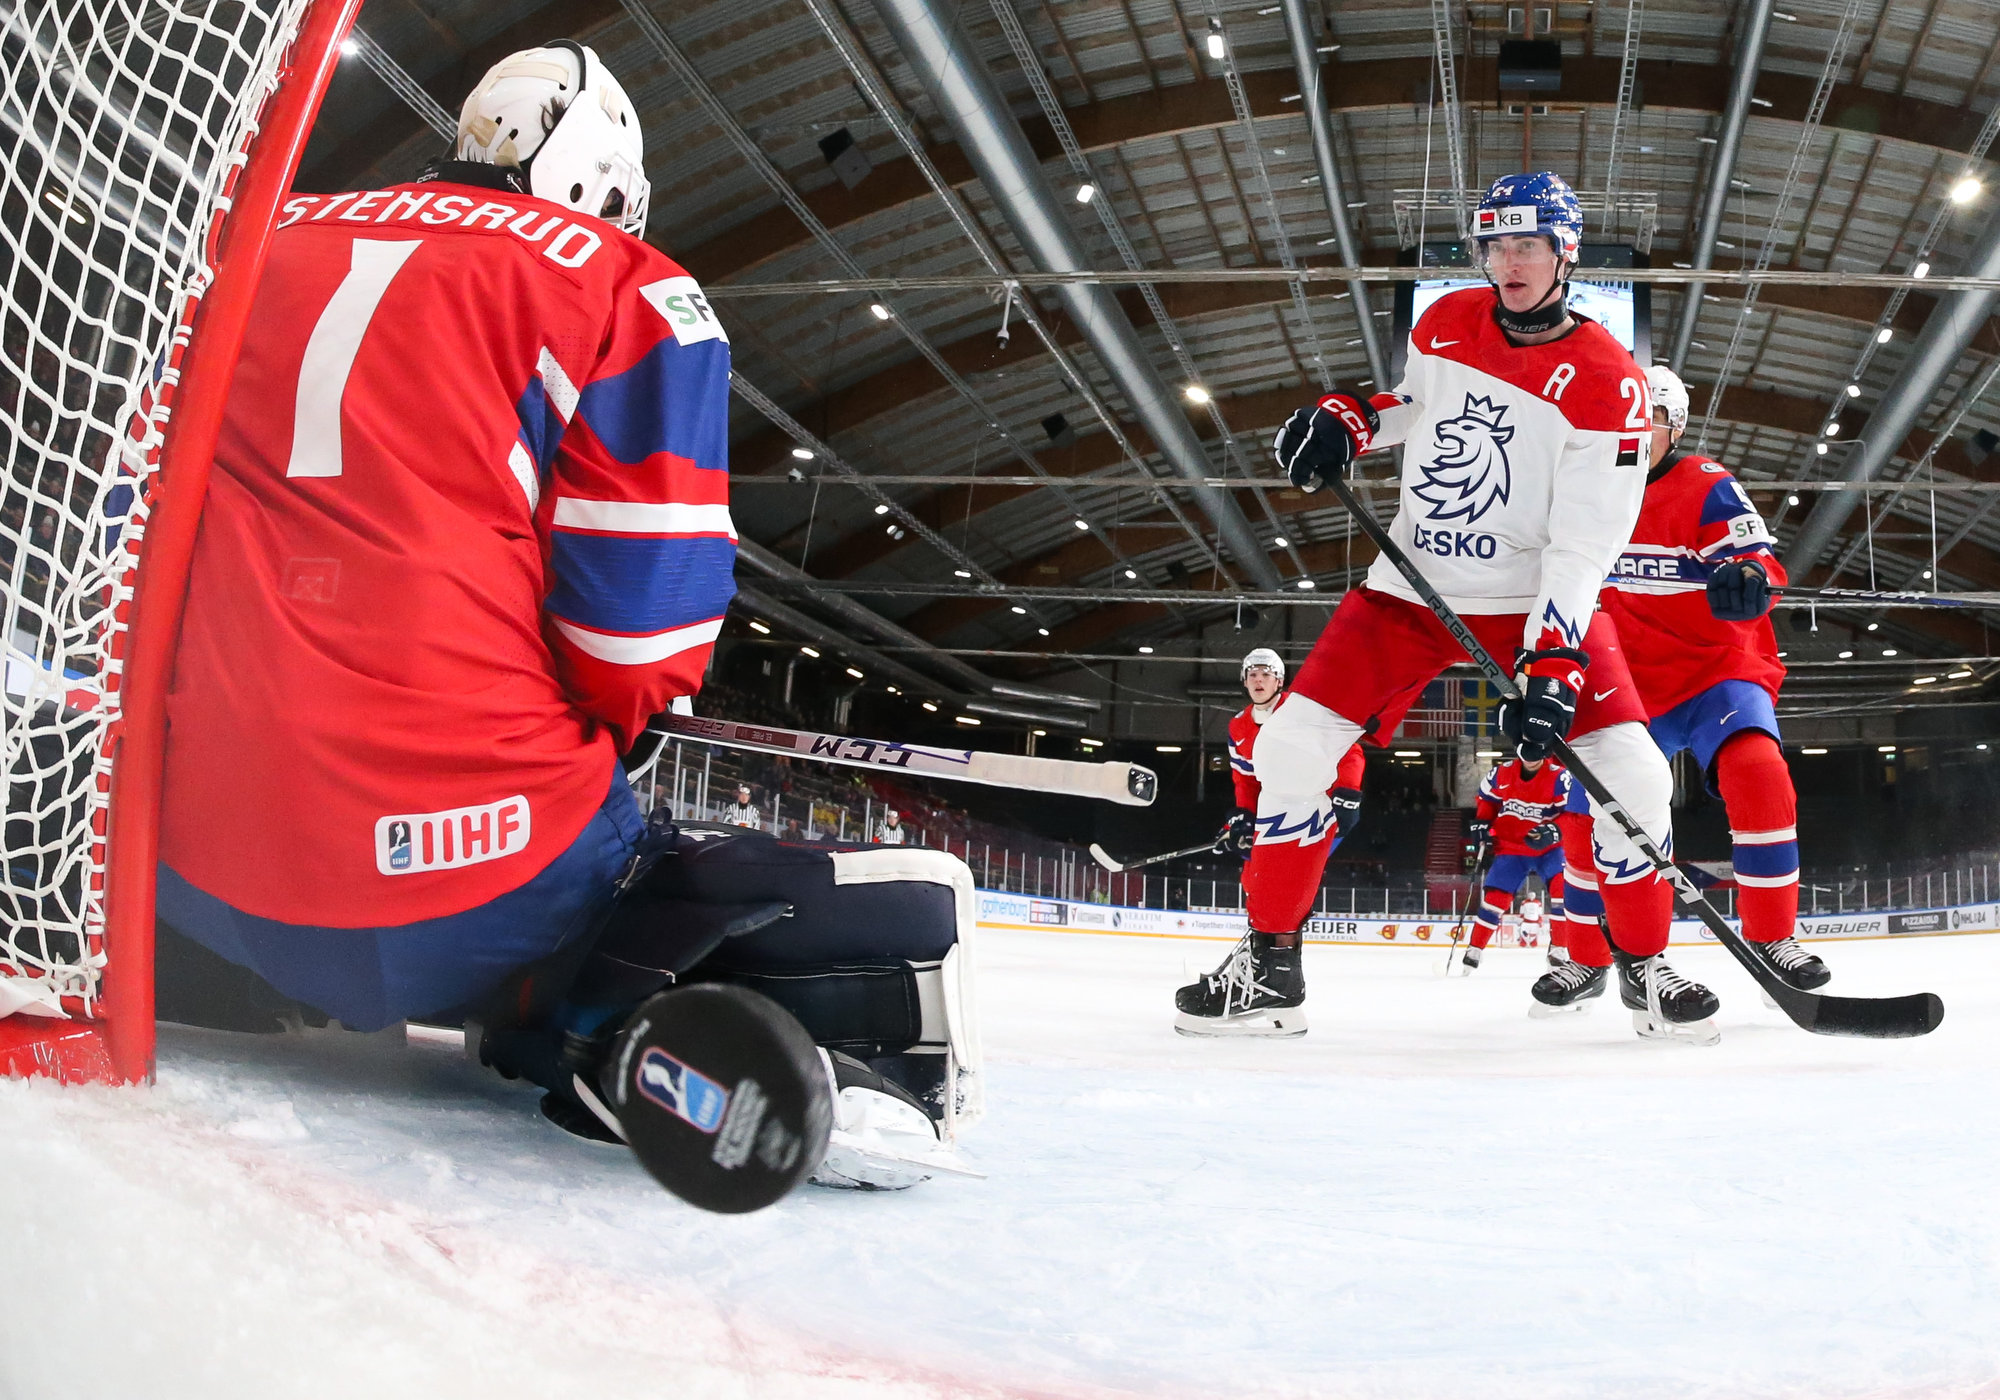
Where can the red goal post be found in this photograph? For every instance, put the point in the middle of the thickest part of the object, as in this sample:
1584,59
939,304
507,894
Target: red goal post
151,146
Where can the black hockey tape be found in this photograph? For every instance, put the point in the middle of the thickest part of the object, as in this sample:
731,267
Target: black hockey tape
723,1097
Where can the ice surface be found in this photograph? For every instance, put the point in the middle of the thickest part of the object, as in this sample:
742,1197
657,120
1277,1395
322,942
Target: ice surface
1430,1195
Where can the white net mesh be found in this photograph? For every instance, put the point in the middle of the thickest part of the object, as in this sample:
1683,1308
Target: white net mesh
123,124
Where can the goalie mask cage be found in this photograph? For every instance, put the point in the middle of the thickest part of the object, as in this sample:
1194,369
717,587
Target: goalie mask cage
147,146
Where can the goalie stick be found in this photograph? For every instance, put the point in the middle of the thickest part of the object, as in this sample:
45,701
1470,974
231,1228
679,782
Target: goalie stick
1879,1017
1127,784
1103,857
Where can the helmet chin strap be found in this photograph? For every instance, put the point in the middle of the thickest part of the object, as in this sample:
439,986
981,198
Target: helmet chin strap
1545,315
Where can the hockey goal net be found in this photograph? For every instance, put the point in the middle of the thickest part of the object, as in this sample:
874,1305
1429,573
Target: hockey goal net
144,145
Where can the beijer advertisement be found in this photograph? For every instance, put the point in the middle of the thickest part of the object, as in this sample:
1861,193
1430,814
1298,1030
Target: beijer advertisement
1012,911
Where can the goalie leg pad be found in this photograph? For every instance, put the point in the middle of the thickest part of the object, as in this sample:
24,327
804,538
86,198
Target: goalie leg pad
873,955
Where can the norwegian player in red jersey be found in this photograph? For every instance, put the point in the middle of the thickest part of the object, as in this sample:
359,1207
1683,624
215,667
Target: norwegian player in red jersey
1519,804
468,531
470,522
1691,593
1524,428
1263,675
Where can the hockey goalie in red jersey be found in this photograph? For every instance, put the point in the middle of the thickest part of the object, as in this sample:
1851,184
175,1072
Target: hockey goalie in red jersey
1524,427
468,531
1691,594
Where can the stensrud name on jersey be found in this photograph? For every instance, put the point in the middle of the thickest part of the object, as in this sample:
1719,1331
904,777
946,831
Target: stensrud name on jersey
563,241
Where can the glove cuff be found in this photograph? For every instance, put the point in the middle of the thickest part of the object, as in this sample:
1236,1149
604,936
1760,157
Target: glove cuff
1356,415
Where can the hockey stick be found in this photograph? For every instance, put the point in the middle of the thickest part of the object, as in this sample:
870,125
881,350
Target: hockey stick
1887,598
1103,857
1879,1017
1125,783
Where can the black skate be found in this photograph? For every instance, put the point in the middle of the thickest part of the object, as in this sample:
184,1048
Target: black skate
1664,1004
1257,991
1795,967
1568,986
1468,960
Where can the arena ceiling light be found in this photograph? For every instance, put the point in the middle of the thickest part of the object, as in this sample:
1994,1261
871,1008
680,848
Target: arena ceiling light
1196,394
881,509
930,706
1145,651
1091,743
881,312
856,674
1966,190
1219,49
1131,573
810,652
1085,193
1956,675
968,719
760,628
1922,269
1280,542
1889,651
1884,336
1083,524
1847,656
1166,748
1307,584
804,454
1925,680
967,573
1885,748
1815,752
1409,753
1854,391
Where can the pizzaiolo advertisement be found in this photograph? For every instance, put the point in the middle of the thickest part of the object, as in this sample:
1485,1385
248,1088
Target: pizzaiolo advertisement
1004,912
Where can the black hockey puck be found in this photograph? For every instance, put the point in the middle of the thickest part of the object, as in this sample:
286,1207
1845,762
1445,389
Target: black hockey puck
723,1096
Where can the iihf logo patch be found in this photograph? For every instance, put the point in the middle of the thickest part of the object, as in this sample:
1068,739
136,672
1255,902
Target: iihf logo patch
681,1090
1468,473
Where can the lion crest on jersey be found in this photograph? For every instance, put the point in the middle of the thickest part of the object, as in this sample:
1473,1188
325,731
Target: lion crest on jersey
1468,473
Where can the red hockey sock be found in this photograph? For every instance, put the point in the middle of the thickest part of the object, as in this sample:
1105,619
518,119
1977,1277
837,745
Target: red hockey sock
1492,908
1763,827
1581,904
1641,913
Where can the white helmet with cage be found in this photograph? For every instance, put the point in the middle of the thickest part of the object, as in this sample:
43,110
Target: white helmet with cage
1670,397
559,115
1266,658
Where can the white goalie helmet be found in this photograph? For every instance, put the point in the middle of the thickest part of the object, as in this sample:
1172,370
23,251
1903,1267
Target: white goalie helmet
1670,396
1268,659
559,114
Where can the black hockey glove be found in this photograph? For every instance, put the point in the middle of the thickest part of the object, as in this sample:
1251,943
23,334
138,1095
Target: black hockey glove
1544,838
1738,591
1238,834
1346,811
1550,681
1319,444
1478,841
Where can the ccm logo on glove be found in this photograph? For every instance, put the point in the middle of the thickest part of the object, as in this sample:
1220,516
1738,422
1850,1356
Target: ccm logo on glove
1318,445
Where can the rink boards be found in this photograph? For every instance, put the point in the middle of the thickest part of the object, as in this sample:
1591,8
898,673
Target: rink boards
1002,912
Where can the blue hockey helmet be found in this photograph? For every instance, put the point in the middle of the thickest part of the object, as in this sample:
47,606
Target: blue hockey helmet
1539,203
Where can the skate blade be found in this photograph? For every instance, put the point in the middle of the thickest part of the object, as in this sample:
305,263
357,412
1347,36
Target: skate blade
1704,1032
1542,1011
1281,1024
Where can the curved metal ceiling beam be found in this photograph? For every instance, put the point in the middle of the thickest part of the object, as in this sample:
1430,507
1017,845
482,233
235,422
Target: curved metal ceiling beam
1364,85
1951,328
1311,67
959,82
1735,116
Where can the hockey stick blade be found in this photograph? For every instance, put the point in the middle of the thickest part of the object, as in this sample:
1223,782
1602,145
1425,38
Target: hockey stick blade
1103,858
1882,1018
1127,784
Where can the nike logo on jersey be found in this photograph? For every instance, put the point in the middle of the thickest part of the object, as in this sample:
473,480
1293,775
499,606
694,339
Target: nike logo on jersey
1598,696
1726,718
1437,344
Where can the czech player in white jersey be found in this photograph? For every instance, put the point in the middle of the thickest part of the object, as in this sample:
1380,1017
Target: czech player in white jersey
1525,428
